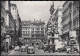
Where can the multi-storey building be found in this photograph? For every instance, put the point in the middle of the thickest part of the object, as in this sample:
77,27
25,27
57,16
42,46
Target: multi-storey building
66,19
58,20
8,23
57,26
3,19
75,23
76,18
26,29
70,19
16,17
8,26
34,30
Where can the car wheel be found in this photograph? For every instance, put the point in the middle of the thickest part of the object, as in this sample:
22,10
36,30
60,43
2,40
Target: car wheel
76,51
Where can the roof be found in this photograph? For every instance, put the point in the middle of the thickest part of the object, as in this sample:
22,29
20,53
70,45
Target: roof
33,22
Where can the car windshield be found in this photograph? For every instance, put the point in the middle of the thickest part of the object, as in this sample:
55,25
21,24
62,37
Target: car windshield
16,46
23,46
30,47
26,45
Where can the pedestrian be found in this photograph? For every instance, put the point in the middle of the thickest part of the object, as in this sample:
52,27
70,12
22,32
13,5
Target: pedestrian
12,47
6,47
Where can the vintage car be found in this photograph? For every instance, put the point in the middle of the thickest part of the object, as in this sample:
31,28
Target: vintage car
23,48
30,50
17,48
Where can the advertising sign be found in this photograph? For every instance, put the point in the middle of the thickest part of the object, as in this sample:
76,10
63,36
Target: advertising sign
72,33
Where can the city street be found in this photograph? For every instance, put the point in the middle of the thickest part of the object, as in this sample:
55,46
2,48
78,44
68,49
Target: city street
37,52
40,28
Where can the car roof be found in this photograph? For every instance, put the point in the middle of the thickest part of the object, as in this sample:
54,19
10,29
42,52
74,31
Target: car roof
30,46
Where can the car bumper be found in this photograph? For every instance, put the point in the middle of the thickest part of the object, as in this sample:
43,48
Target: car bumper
30,52
23,50
16,49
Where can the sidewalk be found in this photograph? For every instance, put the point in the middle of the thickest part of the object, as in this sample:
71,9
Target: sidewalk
3,53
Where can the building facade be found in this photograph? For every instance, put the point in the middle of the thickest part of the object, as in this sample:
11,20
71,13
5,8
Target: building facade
3,18
58,20
70,20
34,30
57,26
66,19
8,25
16,17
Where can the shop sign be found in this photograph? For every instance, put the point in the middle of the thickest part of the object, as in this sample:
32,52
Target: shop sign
72,34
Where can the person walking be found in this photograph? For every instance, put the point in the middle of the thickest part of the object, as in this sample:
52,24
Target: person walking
6,47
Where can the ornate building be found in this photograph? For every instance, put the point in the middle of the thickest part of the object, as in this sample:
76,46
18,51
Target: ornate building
16,17
33,31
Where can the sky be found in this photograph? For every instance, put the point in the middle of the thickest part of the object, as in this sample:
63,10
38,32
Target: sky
30,10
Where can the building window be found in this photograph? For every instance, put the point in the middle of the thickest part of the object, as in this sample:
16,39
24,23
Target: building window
32,28
37,28
32,32
37,32
28,32
42,32
26,28
23,28
23,32
42,28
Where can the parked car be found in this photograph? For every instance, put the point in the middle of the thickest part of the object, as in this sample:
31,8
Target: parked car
40,46
37,43
51,48
17,48
46,47
68,49
75,50
62,49
30,50
26,45
23,48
